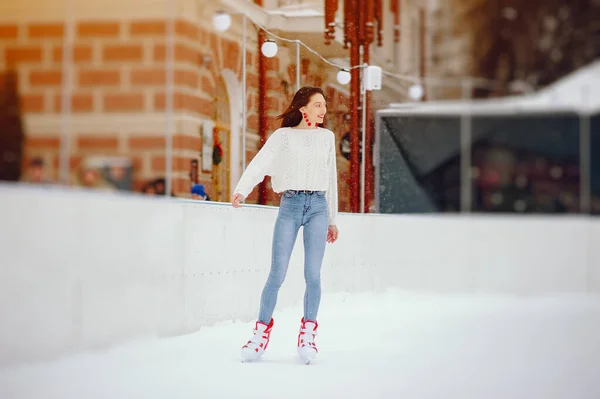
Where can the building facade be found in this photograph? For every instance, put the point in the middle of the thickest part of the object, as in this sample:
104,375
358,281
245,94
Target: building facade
108,83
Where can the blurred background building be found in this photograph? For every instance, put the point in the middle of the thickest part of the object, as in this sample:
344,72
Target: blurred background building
147,95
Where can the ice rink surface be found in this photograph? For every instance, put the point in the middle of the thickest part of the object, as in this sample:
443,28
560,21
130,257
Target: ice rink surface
387,345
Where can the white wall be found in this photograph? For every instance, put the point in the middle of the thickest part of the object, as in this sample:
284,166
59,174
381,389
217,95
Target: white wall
82,270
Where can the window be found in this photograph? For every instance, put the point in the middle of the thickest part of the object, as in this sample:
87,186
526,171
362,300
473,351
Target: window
419,164
526,164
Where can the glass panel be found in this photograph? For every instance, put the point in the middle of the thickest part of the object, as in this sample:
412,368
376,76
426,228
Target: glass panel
420,164
525,164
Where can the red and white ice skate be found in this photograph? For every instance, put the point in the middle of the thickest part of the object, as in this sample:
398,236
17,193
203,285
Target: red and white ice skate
307,349
257,345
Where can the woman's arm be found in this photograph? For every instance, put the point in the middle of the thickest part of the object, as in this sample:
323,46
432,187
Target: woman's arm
260,166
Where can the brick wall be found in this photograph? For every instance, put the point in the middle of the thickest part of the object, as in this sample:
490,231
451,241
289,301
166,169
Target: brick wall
118,68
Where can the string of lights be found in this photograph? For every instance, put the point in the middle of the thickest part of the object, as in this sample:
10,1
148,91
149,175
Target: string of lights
222,22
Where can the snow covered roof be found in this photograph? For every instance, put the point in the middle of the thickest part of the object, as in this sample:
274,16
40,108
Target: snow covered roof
580,89
577,92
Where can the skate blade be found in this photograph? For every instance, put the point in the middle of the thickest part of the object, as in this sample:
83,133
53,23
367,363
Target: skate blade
250,359
306,358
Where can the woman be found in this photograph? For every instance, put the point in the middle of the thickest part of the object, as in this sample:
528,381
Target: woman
300,158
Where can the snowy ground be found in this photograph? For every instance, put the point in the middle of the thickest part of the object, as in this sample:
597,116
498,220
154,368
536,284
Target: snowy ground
391,345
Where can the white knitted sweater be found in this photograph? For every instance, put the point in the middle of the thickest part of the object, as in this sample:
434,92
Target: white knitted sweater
296,159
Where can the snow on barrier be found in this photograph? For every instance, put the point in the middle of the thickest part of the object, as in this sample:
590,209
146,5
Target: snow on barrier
82,270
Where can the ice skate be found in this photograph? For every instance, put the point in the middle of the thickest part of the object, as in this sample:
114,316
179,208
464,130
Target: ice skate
307,349
257,345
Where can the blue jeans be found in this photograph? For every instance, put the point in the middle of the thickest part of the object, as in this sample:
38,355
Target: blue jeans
297,209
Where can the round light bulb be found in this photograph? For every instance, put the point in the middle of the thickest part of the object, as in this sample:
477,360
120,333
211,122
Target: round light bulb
343,76
222,21
269,48
416,92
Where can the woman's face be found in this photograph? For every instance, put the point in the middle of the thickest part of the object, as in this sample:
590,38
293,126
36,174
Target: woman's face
315,109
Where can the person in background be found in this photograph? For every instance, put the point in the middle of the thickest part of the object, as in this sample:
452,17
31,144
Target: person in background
198,193
117,175
36,172
89,176
300,157
159,185
149,189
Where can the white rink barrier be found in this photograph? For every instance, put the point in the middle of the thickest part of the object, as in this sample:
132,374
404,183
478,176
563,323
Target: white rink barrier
82,270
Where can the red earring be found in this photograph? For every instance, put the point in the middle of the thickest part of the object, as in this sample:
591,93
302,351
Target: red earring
306,119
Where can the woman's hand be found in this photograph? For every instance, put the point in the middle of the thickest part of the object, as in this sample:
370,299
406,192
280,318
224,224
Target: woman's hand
332,233
236,200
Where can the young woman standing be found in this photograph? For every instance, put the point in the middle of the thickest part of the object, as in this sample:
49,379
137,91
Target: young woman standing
300,157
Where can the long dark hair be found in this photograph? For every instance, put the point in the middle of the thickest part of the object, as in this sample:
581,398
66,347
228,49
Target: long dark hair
292,116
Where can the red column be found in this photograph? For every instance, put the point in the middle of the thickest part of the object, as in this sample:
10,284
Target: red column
330,10
352,21
262,111
367,38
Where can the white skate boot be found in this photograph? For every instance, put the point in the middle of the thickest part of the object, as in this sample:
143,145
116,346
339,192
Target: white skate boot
307,349
258,343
